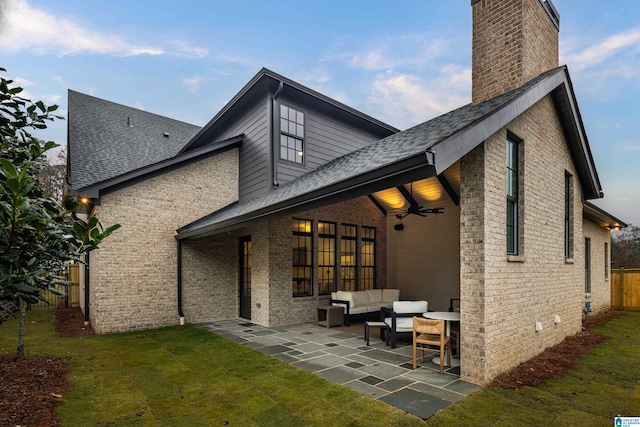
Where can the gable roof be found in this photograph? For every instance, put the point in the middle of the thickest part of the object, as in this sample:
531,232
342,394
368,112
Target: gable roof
419,152
267,81
107,140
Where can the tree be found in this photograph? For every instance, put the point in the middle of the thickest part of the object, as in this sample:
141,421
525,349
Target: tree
625,247
36,230
52,175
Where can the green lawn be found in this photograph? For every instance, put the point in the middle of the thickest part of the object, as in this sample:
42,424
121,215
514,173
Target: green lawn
604,384
185,376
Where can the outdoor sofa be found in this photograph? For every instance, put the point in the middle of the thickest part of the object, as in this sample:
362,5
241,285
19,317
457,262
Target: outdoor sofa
363,302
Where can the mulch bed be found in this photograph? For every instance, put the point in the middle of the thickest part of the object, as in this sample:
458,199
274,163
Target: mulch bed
32,388
553,361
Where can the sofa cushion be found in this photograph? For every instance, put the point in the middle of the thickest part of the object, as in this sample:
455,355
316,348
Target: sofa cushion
375,295
390,295
359,310
410,306
360,298
345,296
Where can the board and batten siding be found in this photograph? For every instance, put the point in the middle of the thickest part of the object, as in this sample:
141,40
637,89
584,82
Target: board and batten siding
325,140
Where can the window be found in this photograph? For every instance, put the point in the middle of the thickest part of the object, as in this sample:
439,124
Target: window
568,215
587,265
291,134
512,196
606,261
348,257
302,259
326,257
368,259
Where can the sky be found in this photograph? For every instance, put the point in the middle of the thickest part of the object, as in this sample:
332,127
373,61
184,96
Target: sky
401,61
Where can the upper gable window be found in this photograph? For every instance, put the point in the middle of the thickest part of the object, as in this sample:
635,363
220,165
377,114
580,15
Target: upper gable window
291,134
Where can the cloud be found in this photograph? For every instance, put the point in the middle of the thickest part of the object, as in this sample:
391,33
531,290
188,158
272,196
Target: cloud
193,83
599,52
630,147
25,28
407,50
189,51
407,99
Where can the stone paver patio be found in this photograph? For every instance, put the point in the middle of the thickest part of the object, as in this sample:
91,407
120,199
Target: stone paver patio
377,371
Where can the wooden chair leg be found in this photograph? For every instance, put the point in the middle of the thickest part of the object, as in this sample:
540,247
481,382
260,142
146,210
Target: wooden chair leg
414,355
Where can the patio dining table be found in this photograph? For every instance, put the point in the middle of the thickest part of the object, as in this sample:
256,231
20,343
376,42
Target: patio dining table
448,317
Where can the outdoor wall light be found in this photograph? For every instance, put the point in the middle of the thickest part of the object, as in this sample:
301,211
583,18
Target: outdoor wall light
84,200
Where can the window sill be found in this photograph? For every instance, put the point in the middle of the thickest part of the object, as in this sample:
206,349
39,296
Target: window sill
515,258
569,261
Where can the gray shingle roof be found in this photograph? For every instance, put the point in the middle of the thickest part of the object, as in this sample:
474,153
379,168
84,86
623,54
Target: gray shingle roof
388,151
102,146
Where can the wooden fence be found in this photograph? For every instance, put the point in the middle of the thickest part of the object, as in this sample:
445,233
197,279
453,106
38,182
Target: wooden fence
73,292
625,288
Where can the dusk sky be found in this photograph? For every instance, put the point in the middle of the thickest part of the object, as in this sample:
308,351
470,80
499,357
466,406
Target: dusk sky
402,62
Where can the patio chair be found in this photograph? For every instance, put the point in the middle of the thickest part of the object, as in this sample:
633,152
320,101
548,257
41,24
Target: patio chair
430,332
398,319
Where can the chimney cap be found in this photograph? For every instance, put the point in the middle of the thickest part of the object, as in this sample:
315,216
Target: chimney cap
548,7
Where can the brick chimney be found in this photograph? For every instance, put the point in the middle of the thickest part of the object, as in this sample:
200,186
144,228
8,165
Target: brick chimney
513,42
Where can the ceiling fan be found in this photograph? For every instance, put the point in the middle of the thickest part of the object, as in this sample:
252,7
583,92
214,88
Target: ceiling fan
414,208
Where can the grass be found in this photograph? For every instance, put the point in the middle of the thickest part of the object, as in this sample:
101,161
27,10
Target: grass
186,376
605,383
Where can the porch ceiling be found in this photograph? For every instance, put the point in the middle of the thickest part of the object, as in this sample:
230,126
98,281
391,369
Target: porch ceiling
428,192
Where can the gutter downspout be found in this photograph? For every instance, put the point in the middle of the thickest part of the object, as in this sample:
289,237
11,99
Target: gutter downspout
274,125
179,272
86,289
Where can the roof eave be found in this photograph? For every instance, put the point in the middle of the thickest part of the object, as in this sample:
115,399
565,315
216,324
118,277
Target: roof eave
413,168
558,85
602,217
101,188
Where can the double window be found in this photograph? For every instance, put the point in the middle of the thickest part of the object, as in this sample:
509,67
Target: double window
349,266
368,258
291,134
348,253
302,258
326,257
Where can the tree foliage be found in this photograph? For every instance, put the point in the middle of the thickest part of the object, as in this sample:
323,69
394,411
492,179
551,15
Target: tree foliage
625,247
36,230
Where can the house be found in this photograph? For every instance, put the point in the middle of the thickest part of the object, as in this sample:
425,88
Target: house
286,195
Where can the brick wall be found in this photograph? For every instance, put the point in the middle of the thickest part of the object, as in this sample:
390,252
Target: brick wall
600,296
272,303
209,278
503,297
513,42
133,274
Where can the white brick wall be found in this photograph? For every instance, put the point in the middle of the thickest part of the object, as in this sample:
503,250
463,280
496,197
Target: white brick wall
502,299
133,274
600,296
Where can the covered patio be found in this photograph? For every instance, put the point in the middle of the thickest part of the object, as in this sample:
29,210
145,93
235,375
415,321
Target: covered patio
342,356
